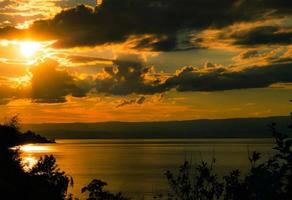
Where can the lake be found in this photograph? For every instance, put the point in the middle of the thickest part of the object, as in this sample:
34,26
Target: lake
136,166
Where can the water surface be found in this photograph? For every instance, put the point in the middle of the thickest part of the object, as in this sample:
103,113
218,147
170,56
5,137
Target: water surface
136,167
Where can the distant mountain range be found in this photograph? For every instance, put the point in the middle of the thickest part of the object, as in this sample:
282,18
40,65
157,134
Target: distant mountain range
205,128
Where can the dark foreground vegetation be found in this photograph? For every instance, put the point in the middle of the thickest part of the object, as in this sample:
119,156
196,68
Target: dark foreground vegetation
10,134
44,181
269,179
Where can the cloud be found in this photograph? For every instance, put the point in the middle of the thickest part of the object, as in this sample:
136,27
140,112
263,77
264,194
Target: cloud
133,77
220,79
138,101
6,93
168,23
128,76
88,59
49,85
9,93
248,54
20,12
263,35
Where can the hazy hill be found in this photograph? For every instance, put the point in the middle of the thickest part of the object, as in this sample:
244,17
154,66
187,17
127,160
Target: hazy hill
218,128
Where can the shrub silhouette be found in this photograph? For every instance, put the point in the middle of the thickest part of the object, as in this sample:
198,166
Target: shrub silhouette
55,180
266,180
96,192
10,134
203,184
44,181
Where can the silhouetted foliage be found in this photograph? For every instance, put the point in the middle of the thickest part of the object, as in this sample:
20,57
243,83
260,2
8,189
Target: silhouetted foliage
44,181
202,185
10,134
56,180
96,192
266,180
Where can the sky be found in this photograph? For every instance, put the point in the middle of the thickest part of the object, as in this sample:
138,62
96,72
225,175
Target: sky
136,60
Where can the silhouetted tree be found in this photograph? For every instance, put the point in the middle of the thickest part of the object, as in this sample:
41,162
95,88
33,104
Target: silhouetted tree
96,192
10,134
270,179
56,180
44,181
203,184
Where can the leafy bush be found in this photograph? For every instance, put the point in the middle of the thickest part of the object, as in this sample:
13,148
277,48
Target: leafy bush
96,192
44,181
10,134
266,180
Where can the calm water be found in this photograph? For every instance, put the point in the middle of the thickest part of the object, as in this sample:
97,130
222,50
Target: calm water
136,167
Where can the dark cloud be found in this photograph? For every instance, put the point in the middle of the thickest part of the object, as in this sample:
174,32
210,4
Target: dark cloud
49,85
6,93
166,21
219,79
249,54
85,59
281,60
127,76
263,35
275,7
139,101
130,76
159,44
167,43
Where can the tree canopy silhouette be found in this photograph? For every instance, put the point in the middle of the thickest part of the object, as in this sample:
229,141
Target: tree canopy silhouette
269,179
10,134
96,192
44,181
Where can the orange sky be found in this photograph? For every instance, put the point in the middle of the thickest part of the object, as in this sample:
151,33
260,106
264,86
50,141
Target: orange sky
62,63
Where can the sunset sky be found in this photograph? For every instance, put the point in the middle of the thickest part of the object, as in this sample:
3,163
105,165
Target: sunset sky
144,60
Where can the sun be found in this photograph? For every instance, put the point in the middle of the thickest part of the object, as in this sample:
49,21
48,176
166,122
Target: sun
28,49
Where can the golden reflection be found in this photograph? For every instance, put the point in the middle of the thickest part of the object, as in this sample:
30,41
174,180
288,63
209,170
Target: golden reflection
30,154
30,148
28,162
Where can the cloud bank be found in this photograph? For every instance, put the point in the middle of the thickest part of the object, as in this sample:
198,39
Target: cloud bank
159,25
130,76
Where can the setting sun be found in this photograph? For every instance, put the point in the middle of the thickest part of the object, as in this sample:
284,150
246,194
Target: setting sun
28,49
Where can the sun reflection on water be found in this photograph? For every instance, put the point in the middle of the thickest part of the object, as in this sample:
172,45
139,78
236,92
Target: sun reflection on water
30,154
34,148
28,162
